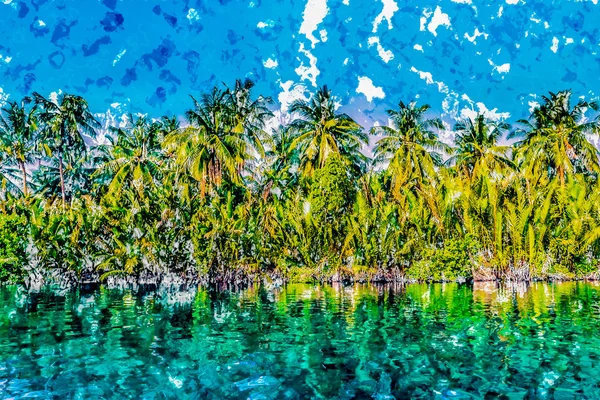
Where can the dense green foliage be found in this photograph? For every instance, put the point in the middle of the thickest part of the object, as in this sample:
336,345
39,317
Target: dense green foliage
13,247
222,197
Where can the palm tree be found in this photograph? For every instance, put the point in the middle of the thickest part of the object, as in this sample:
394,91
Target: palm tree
18,135
249,115
77,173
224,132
134,157
555,136
321,131
282,161
477,151
63,125
410,145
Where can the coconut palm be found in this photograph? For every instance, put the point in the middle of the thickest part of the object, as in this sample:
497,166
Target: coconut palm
321,131
280,173
77,175
18,136
410,147
248,114
556,136
477,150
224,133
64,123
134,157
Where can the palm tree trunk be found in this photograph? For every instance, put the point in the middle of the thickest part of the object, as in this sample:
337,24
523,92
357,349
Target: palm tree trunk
561,173
24,172
62,179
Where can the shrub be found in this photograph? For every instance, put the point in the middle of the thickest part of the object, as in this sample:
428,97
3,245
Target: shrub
14,238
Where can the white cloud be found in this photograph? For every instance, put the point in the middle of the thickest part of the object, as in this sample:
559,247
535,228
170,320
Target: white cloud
366,87
554,47
476,34
265,24
6,59
308,72
512,2
471,112
418,47
3,97
54,96
290,93
533,105
314,13
439,19
501,69
119,56
426,76
323,34
386,55
389,8
192,15
270,63
423,21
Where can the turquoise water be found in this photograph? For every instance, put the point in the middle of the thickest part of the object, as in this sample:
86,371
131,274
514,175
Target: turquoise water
304,341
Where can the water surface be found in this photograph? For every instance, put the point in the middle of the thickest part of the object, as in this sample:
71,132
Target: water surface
303,341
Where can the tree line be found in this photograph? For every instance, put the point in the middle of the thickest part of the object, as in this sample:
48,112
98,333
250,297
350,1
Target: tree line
223,198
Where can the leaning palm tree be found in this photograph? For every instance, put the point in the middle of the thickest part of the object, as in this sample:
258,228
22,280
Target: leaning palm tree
410,147
477,150
18,136
321,131
555,136
63,123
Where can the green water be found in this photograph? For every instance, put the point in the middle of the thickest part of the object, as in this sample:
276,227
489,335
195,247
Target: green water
304,341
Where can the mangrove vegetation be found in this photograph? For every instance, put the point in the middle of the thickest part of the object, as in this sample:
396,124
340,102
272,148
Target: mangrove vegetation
228,195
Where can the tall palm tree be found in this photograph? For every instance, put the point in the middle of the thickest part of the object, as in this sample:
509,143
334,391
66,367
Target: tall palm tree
555,136
321,131
477,151
248,114
411,145
18,136
63,125
225,131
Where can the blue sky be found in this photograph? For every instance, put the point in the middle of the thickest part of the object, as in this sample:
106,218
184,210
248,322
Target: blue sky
460,56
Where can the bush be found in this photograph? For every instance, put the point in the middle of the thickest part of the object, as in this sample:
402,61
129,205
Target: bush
14,238
447,263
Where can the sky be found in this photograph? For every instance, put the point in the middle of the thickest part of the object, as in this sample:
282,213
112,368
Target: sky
459,56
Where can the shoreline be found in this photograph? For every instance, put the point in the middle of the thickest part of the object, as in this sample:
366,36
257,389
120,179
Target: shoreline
171,282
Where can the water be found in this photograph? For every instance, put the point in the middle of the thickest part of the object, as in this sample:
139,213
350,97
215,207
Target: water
304,341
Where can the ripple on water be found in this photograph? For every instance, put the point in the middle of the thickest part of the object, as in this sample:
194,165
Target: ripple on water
299,341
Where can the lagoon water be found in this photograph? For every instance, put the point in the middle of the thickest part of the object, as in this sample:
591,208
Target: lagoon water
303,341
